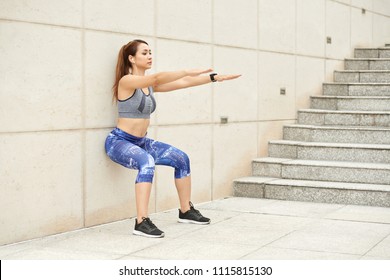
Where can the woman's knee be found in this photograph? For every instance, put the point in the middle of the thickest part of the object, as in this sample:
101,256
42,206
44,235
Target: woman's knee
183,168
146,170
186,159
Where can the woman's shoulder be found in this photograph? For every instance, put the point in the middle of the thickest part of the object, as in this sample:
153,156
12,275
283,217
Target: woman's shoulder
126,82
125,79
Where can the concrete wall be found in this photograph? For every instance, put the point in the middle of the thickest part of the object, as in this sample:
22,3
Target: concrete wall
57,62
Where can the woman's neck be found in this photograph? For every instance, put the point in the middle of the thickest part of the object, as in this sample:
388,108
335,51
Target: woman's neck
138,72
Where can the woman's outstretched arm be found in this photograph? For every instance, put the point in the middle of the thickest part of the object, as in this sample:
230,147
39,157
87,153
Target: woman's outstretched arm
157,79
188,81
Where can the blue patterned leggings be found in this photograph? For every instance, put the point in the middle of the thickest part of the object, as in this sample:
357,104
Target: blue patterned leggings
143,154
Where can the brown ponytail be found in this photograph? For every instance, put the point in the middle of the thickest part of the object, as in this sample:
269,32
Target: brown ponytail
123,65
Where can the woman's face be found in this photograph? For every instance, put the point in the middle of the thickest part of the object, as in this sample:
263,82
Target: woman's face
143,57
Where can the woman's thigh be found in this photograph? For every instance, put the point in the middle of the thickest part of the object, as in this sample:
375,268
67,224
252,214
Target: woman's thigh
165,154
127,154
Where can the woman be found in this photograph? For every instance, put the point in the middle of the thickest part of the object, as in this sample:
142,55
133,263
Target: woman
128,145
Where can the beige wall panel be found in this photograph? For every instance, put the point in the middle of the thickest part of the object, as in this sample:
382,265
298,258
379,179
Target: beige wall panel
361,29
43,11
366,4
310,73
101,53
41,184
277,23
347,2
40,77
271,130
190,105
185,20
338,22
130,16
236,99
276,71
195,140
164,188
235,23
184,107
381,6
110,192
99,77
310,31
170,55
234,148
381,30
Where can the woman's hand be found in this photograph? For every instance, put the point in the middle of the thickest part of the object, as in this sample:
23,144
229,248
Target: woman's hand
197,72
221,78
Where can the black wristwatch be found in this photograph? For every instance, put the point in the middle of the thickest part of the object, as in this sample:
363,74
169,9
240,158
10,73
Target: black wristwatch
212,77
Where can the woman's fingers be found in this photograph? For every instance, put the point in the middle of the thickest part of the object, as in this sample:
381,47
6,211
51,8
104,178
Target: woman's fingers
221,78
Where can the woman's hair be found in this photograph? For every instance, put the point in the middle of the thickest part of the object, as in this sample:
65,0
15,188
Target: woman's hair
123,65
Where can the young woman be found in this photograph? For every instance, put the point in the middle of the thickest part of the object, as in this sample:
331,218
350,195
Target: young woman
128,145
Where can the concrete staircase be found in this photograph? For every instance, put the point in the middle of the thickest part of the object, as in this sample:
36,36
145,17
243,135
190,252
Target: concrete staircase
339,151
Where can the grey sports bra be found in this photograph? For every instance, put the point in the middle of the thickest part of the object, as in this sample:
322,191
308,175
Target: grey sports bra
137,106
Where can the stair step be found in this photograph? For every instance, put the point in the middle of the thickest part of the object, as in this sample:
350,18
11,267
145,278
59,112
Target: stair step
313,191
365,76
336,134
372,53
344,118
351,103
339,152
330,151
356,89
353,172
367,64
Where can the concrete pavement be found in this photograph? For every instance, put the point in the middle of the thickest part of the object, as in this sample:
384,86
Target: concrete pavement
241,228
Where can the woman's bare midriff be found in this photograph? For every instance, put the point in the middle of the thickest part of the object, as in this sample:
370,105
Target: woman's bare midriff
135,127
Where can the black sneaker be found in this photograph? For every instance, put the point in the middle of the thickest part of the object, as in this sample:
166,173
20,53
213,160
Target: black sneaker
147,228
193,216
